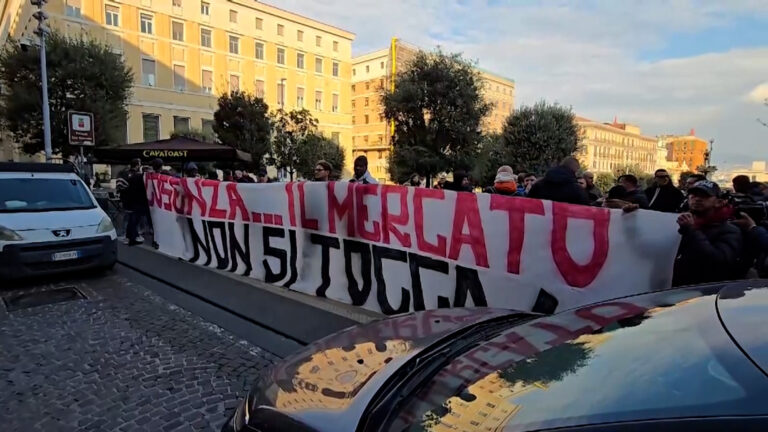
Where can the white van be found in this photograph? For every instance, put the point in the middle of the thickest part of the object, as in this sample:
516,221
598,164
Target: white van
50,222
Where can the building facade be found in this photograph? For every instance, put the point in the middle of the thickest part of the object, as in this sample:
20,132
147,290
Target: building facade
687,148
373,72
185,53
606,147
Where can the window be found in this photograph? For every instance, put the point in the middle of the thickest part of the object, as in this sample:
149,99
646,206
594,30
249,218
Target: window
259,51
280,30
281,56
207,81
233,16
318,41
318,65
177,3
335,46
179,77
234,83
335,103
299,35
259,24
366,119
208,126
336,137
353,104
260,89
112,16
234,45
281,94
318,100
205,38
367,68
367,86
205,8
300,97
366,101
177,30
148,72
354,71
180,124
335,69
353,87
353,122
300,60
381,65
146,23
151,126
74,8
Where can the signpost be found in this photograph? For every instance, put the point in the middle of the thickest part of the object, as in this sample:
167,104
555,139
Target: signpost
81,133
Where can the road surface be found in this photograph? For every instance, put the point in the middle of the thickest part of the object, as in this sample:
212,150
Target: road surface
122,358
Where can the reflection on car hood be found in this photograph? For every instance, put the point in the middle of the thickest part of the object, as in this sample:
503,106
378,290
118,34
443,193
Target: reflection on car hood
24,221
340,373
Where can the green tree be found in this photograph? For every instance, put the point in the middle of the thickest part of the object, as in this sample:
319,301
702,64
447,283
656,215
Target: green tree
492,155
539,136
437,108
317,147
241,122
605,181
290,131
83,75
197,134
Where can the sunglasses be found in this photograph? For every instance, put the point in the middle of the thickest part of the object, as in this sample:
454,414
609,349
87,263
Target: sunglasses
319,169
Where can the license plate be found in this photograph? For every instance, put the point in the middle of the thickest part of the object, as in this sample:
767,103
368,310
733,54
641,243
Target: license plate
61,256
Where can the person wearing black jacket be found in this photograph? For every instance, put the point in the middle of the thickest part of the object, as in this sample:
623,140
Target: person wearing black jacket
663,196
635,195
559,184
133,196
711,247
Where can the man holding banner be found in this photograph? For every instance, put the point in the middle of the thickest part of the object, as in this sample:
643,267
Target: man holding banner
711,247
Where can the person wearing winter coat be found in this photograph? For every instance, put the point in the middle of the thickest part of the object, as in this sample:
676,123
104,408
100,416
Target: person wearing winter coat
711,247
663,196
560,184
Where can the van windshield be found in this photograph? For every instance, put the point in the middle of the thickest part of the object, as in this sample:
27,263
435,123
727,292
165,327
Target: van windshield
43,194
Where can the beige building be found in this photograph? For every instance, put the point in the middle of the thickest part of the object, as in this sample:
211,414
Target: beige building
184,53
757,171
373,71
606,147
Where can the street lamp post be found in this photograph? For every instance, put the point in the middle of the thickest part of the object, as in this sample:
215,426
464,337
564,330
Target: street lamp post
42,30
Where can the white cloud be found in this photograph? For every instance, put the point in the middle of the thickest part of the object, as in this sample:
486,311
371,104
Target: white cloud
587,54
759,94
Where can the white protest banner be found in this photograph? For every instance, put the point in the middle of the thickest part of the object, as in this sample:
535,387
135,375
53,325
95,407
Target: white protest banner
395,249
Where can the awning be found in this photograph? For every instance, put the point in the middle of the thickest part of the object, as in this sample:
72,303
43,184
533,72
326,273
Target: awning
180,149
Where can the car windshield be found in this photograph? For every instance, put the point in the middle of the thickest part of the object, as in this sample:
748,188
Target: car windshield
43,194
666,362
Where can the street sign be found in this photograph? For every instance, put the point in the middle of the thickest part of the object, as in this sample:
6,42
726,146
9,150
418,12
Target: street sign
81,131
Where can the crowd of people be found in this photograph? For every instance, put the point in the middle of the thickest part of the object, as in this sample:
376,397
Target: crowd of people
724,234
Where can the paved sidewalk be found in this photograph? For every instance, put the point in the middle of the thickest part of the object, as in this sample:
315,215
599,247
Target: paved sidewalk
123,359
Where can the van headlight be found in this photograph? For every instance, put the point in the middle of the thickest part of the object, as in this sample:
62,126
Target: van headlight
7,234
105,225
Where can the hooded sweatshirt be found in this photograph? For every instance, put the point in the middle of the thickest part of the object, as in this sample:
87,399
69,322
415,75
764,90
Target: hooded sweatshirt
559,184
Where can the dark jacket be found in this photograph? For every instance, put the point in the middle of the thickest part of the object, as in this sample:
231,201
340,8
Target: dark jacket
710,253
756,250
666,199
637,196
559,184
130,186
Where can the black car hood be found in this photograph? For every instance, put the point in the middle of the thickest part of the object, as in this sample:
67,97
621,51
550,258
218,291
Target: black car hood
340,373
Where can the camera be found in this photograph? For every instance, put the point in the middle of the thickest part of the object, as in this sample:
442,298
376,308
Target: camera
745,204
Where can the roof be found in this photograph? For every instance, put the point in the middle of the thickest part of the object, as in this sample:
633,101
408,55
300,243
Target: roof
27,167
172,149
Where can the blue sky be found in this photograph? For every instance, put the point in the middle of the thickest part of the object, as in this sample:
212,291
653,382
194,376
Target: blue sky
664,65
